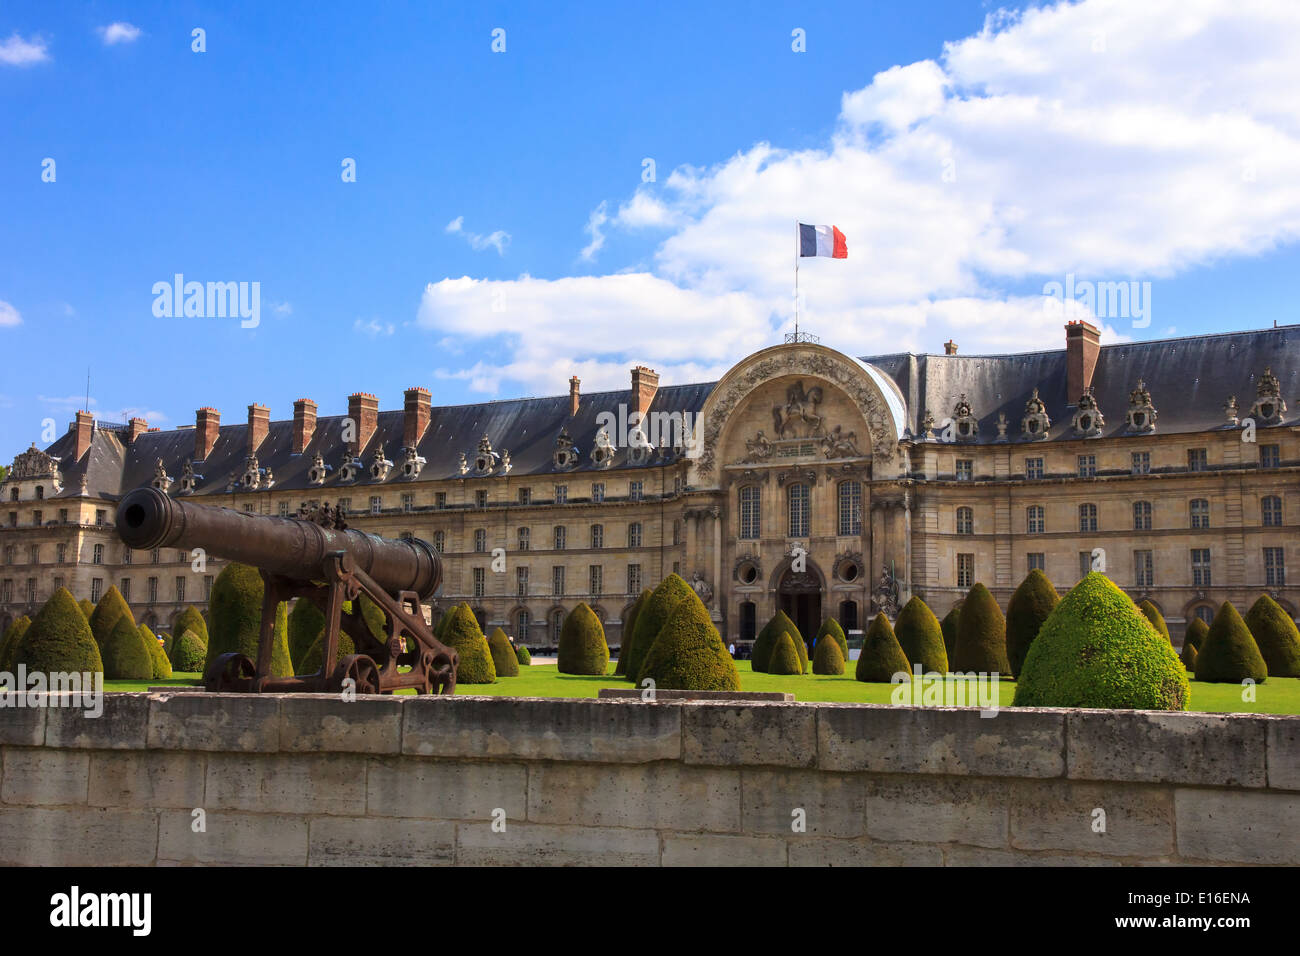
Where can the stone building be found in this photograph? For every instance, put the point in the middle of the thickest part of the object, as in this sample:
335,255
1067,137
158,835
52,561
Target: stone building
804,479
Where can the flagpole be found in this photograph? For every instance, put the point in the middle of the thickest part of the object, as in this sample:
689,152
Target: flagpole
796,280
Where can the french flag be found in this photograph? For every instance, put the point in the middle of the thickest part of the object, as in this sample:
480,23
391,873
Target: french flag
822,241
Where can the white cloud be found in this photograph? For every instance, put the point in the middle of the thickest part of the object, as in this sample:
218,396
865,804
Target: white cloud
70,404
1111,141
9,315
373,327
16,51
282,308
119,32
496,240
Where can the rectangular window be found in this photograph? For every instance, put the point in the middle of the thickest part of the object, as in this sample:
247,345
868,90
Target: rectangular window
850,508
480,499
440,541
97,555
345,506
408,503
597,492
480,582
207,587
100,515
153,590
634,579
1141,462
13,519
965,521
561,537
126,556
1200,511
561,494
1087,517
1035,519
1270,456
965,469
1141,516
6,591
965,570
480,540
634,535
31,590
1274,567
525,539
180,590
1197,460
58,583
557,581
440,499
63,516
1037,561
1087,466
284,509
1201,567
634,490
597,580
525,496
521,581
37,518
1271,510
60,554
34,553
96,590
798,511
376,504
1144,569
597,536
749,500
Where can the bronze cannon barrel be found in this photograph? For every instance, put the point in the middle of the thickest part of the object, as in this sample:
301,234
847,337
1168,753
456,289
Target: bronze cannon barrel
292,547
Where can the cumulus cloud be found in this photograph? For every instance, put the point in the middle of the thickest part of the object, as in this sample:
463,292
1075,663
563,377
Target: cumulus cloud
119,32
497,240
16,51
1103,140
9,315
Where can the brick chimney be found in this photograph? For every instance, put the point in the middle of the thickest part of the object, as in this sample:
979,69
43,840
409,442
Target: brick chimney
416,419
1082,346
574,395
950,347
207,425
645,382
259,423
363,409
304,424
84,428
135,428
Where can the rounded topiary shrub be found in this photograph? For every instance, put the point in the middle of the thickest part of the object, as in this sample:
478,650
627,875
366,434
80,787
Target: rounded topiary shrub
87,608
882,656
162,666
522,655
784,659
503,654
59,640
236,607
688,653
1229,654
981,635
191,620
1196,633
112,606
831,628
1152,614
650,619
1276,637
124,653
188,653
313,657
949,625
921,637
629,626
462,633
1188,656
582,644
827,657
1029,607
1098,650
306,622
9,642
770,634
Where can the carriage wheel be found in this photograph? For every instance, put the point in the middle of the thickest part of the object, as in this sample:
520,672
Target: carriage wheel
363,672
228,672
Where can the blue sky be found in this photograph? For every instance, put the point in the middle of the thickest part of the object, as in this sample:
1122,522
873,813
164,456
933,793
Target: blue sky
970,155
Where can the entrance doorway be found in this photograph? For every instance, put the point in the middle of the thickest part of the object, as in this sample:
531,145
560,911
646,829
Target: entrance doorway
799,595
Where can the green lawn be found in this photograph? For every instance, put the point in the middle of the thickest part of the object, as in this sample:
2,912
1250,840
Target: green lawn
1278,695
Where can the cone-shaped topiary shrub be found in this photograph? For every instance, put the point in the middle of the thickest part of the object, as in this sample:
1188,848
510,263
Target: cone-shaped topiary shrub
1098,650
1188,656
9,642
188,653
827,657
770,634
522,655
103,619
981,635
1029,607
87,608
59,639
949,625
688,653
831,627
650,620
1197,631
629,626
191,620
162,666
125,654
314,655
236,607
582,643
503,654
882,656
1152,614
1276,637
463,633
306,622
784,659
1230,654
921,636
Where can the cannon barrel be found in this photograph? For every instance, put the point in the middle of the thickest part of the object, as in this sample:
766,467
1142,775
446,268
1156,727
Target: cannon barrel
291,547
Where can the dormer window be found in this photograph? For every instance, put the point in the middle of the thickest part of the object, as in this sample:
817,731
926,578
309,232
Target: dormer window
412,463
380,466
318,471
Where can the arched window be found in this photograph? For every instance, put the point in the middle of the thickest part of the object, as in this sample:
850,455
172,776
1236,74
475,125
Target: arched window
1200,509
749,508
598,536
1271,508
1087,517
1205,613
965,521
850,508
1141,516
1035,519
798,497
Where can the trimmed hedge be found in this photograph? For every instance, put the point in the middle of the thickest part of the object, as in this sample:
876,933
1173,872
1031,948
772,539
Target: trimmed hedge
503,654
831,627
103,620
463,633
191,620
1152,614
87,608
188,653
1230,654
882,656
9,643
1188,656
1034,600
1197,631
921,637
162,665
59,639
784,659
651,619
521,654
827,658
582,644
313,657
688,653
949,625
981,635
629,626
1098,650
770,634
236,607
124,653
1276,636
306,623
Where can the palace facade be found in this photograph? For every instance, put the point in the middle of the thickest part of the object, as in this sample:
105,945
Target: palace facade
804,479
